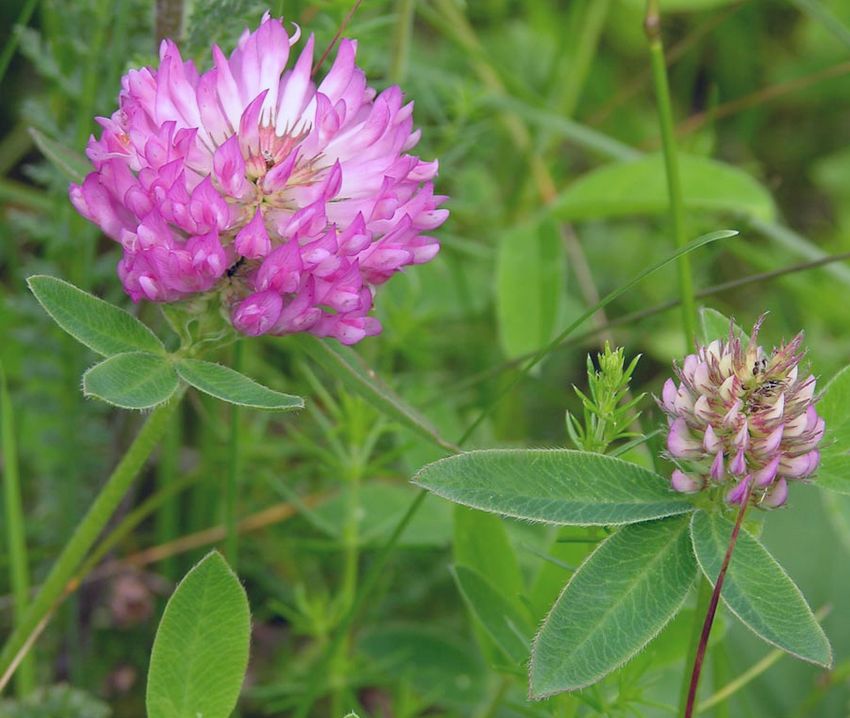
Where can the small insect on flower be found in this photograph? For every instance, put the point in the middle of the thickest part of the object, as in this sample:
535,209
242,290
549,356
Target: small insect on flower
292,200
742,420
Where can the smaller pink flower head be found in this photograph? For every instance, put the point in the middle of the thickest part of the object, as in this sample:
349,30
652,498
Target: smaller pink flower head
741,419
292,199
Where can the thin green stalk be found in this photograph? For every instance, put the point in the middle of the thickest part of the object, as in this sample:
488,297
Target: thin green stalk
671,165
400,47
19,576
652,25
632,318
830,680
231,490
55,585
135,517
369,582
537,357
726,692
12,43
168,515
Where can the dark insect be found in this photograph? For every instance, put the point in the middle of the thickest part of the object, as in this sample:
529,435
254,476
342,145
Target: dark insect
760,366
235,268
268,158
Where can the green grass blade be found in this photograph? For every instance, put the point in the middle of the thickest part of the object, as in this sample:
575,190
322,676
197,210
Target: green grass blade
19,577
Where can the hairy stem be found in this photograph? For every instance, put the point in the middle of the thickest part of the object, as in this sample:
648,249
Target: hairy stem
55,585
712,607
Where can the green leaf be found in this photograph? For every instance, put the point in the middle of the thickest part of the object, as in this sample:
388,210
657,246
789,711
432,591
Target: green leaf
618,600
819,12
501,618
758,591
530,280
554,486
72,164
231,386
834,407
135,380
433,662
99,325
714,325
59,701
481,542
380,507
345,364
200,652
639,187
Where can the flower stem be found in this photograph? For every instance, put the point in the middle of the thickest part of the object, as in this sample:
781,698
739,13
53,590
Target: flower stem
231,490
652,25
168,516
703,599
56,584
712,607
19,577
400,47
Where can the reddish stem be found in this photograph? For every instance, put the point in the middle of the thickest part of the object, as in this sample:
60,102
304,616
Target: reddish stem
712,606
339,32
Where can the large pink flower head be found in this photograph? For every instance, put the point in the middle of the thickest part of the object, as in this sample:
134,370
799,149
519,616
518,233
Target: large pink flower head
742,420
290,200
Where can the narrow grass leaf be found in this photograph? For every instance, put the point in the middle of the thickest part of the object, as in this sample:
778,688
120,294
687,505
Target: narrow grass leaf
71,164
834,407
228,385
101,326
758,591
200,653
345,364
714,325
13,513
580,135
553,486
639,187
820,13
601,304
618,600
798,245
501,618
135,380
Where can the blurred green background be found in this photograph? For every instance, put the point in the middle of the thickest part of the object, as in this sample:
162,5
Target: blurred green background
542,114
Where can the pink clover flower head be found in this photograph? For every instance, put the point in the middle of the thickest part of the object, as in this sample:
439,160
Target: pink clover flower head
292,199
741,419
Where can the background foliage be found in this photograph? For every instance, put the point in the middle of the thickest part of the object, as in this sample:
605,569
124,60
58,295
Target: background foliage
542,115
